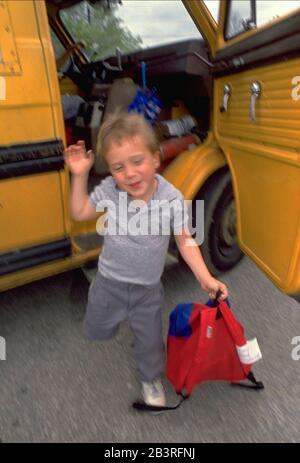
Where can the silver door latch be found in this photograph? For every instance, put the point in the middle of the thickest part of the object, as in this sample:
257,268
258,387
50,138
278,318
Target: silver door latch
226,95
255,90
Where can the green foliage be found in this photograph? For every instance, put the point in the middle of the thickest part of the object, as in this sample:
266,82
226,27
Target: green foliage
101,29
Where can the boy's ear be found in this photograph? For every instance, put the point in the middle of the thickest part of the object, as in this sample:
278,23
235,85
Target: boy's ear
156,156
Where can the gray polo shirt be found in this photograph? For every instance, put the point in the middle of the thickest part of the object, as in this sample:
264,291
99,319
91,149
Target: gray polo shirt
137,234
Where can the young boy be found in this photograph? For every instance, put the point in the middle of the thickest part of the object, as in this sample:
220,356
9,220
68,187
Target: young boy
130,265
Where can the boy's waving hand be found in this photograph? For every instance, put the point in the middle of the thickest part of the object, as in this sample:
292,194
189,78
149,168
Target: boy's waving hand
78,160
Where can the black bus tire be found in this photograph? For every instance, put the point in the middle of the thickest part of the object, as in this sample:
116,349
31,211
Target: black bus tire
220,248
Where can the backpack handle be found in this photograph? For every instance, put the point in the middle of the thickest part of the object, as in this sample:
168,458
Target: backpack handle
215,299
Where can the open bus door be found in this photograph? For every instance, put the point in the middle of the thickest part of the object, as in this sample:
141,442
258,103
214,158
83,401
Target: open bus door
36,232
256,122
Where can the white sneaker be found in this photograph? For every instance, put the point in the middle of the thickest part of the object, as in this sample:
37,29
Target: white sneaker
153,393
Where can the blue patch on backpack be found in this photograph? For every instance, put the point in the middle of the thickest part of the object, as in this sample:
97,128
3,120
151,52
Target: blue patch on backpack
179,320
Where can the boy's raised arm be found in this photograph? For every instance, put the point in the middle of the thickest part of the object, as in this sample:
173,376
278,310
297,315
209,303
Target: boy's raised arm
79,162
81,207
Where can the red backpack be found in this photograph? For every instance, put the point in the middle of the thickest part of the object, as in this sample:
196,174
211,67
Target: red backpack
206,343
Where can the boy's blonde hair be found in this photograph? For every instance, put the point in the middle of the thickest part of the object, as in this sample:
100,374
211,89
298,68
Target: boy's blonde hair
121,126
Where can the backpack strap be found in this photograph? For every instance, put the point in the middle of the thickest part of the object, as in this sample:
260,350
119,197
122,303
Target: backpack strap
143,407
256,384
229,318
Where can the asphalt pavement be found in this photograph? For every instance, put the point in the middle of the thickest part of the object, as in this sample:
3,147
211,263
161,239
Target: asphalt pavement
57,386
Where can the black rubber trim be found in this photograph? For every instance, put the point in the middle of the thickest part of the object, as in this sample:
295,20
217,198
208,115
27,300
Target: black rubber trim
29,257
26,159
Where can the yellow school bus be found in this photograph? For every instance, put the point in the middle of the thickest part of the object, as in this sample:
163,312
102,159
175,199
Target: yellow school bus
239,79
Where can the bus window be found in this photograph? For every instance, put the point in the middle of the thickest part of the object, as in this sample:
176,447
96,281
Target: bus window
267,11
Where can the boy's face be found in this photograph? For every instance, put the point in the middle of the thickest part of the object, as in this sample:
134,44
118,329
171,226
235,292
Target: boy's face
133,167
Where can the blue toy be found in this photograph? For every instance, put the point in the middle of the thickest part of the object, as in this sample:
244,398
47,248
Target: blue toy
146,102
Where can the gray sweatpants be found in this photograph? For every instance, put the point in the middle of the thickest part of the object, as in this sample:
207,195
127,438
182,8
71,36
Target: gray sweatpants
110,302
